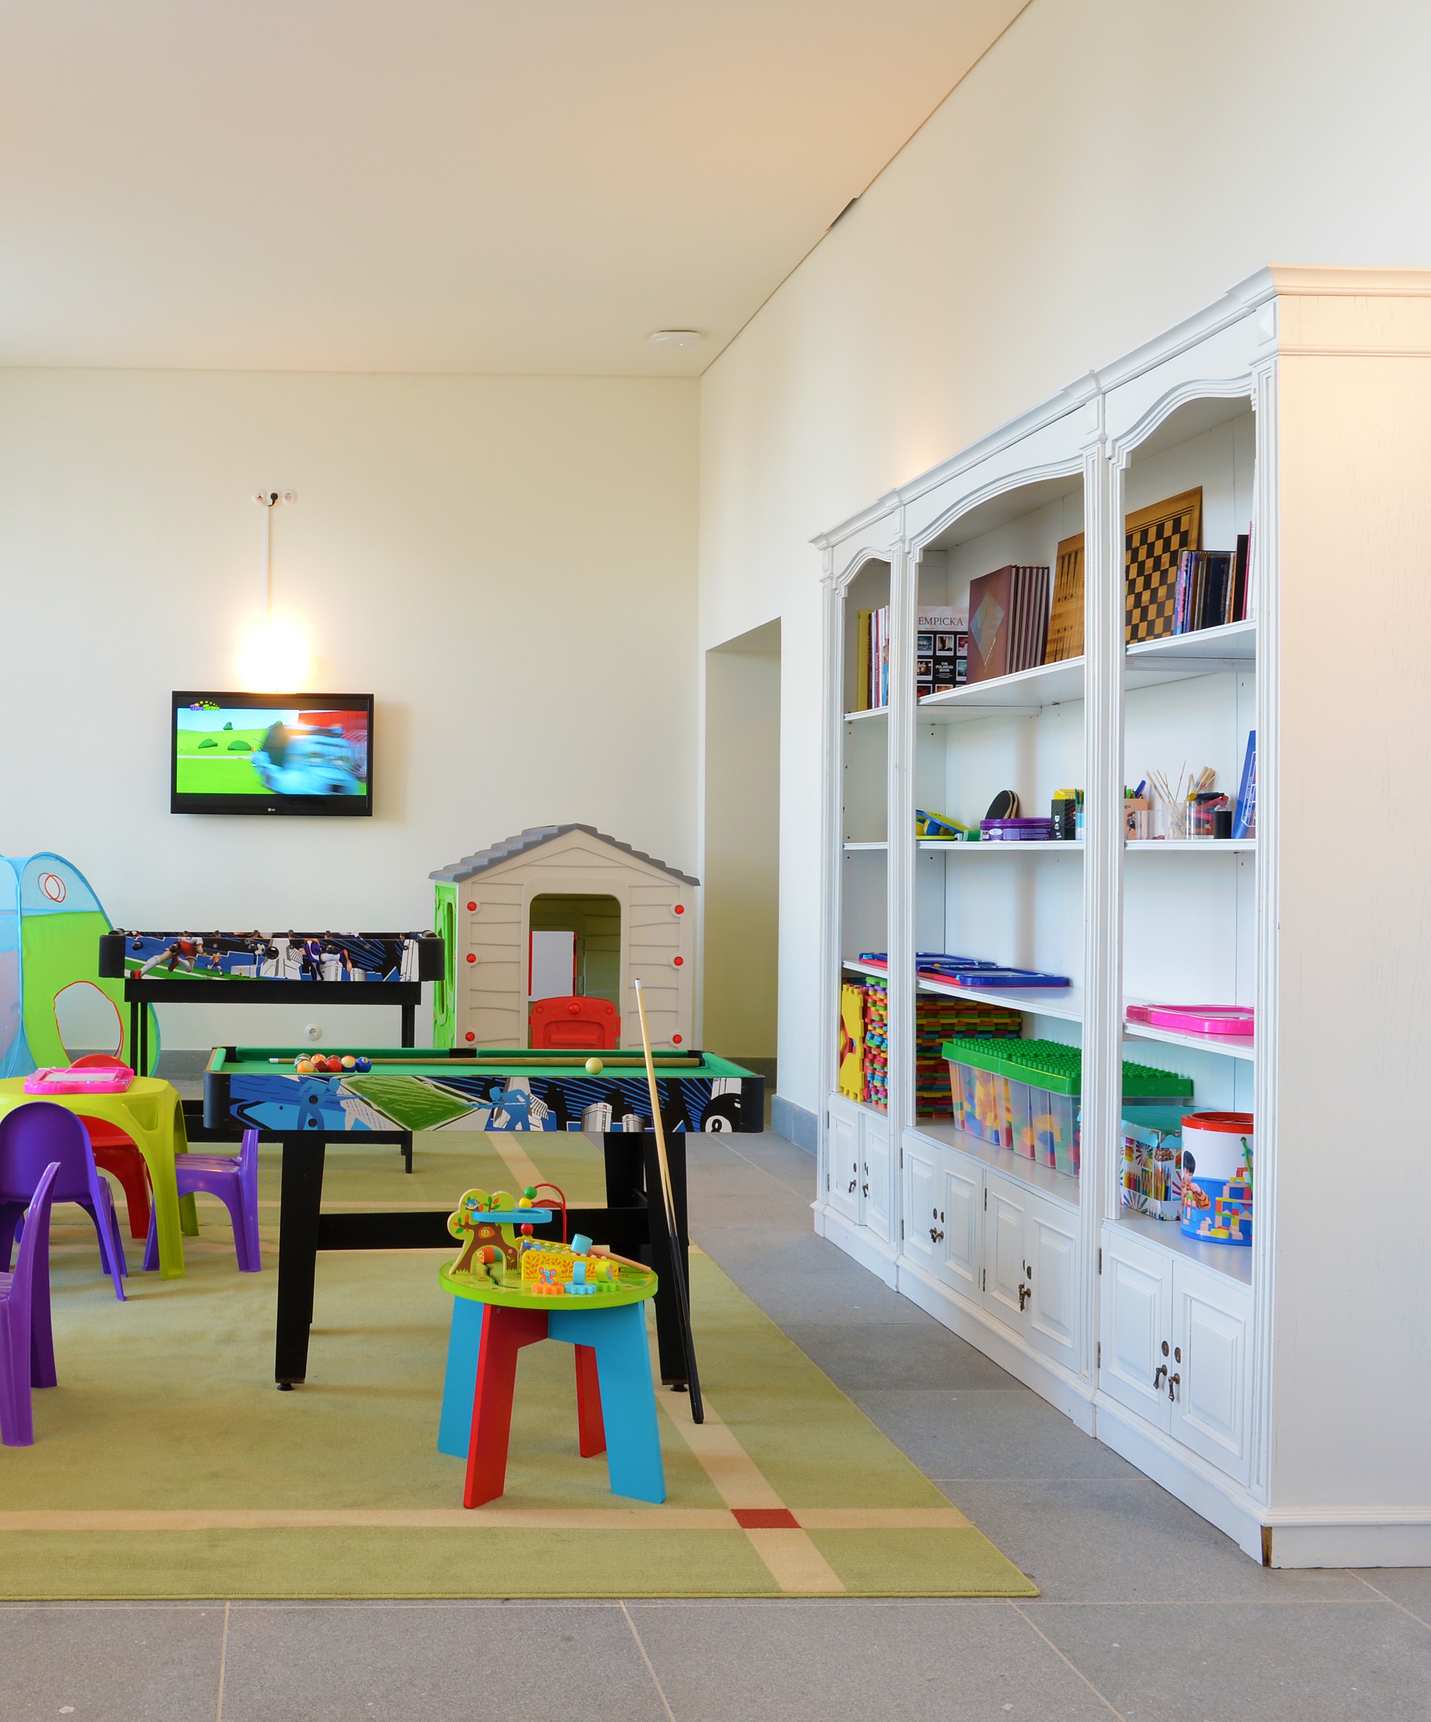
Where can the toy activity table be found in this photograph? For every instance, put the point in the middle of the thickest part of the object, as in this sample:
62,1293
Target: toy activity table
149,1112
469,1090
615,1393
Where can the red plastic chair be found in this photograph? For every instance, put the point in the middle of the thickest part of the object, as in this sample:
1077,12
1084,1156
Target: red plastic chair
116,1153
576,1022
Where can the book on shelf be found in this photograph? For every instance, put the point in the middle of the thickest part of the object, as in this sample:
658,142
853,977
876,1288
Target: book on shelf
1211,588
872,659
1008,621
1065,623
1244,820
941,651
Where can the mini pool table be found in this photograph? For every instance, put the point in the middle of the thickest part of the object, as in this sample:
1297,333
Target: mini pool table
408,1090
476,1089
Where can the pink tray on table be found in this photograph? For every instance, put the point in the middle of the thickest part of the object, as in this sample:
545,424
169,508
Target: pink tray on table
101,1079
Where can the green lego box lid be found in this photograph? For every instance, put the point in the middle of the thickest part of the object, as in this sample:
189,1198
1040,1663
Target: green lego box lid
1052,1065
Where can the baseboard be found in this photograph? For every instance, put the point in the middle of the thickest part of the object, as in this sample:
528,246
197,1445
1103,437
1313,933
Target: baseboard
858,1242
1350,1537
1063,1390
795,1123
1198,1485
180,1064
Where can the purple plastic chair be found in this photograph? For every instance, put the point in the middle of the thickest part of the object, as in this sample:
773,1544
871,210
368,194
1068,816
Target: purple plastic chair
233,1178
27,1345
30,1137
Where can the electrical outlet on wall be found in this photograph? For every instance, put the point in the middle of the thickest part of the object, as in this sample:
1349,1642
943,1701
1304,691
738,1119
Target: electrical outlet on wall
314,1031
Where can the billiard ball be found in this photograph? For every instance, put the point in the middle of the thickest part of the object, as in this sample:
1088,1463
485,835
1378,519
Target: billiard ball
304,1067
362,1064
349,1062
594,1067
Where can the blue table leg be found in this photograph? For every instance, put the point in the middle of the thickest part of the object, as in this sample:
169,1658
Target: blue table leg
460,1385
628,1395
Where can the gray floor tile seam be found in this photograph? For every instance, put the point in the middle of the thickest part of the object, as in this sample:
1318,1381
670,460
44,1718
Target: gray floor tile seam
1065,1660
1301,1600
650,1669
1362,1579
803,1195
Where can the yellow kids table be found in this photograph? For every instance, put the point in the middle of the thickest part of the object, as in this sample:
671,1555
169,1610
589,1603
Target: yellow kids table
150,1113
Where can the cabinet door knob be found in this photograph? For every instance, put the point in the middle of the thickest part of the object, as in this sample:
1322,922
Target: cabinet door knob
1025,1293
865,1189
1161,1370
935,1237
853,1183
1173,1381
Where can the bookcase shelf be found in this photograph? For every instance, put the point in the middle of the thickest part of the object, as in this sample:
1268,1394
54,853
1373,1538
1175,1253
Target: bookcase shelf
1189,846
1229,1045
1022,694
1233,1263
865,716
1323,476
1176,657
862,848
1061,1186
1064,1003
1037,847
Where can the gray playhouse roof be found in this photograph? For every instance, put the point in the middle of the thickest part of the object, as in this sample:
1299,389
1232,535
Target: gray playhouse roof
470,865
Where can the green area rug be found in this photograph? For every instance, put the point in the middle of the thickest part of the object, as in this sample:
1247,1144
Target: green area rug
166,1464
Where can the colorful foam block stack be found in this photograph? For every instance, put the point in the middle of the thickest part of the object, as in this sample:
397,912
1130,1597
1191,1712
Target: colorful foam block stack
937,1020
876,1055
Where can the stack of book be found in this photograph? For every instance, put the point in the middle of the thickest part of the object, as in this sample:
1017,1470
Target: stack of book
1211,588
1008,621
937,1020
941,651
876,1047
872,660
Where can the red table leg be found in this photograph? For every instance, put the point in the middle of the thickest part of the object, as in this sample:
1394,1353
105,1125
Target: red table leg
591,1431
504,1333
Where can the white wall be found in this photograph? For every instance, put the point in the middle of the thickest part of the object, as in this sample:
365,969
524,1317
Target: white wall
1107,168
740,844
508,564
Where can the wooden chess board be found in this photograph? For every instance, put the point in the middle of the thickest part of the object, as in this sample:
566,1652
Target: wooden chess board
1155,537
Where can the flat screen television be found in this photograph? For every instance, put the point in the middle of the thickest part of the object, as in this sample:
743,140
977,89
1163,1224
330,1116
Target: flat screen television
271,753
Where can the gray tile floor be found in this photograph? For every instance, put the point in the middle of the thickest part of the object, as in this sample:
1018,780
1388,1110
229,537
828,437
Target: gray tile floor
1147,1613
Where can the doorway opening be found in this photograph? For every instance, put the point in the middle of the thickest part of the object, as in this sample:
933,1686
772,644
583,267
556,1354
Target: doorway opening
741,860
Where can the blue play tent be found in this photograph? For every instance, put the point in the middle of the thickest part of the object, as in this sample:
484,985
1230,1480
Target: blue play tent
50,926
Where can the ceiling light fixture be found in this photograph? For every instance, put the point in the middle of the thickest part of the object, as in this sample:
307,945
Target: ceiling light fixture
675,338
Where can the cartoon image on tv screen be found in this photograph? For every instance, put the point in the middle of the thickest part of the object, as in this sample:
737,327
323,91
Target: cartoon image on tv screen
252,751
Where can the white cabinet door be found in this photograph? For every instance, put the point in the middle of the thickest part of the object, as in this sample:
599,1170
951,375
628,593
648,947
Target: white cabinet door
1133,1328
1006,1288
843,1159
921,1208
1211,1316
1051,1270
874,1172
961,1208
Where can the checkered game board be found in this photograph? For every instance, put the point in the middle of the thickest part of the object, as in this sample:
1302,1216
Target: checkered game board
1152,569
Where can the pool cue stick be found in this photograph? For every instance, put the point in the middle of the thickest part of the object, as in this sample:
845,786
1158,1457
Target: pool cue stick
683,1302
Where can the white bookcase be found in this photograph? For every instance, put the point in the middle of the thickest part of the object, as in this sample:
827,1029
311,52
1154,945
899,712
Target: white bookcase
1283,1391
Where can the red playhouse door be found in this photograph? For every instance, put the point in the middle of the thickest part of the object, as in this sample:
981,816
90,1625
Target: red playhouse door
576,1021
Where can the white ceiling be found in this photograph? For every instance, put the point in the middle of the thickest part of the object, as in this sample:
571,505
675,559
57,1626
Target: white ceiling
437,185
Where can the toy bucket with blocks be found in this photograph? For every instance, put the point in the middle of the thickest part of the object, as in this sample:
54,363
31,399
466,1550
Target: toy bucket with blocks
1216,1176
